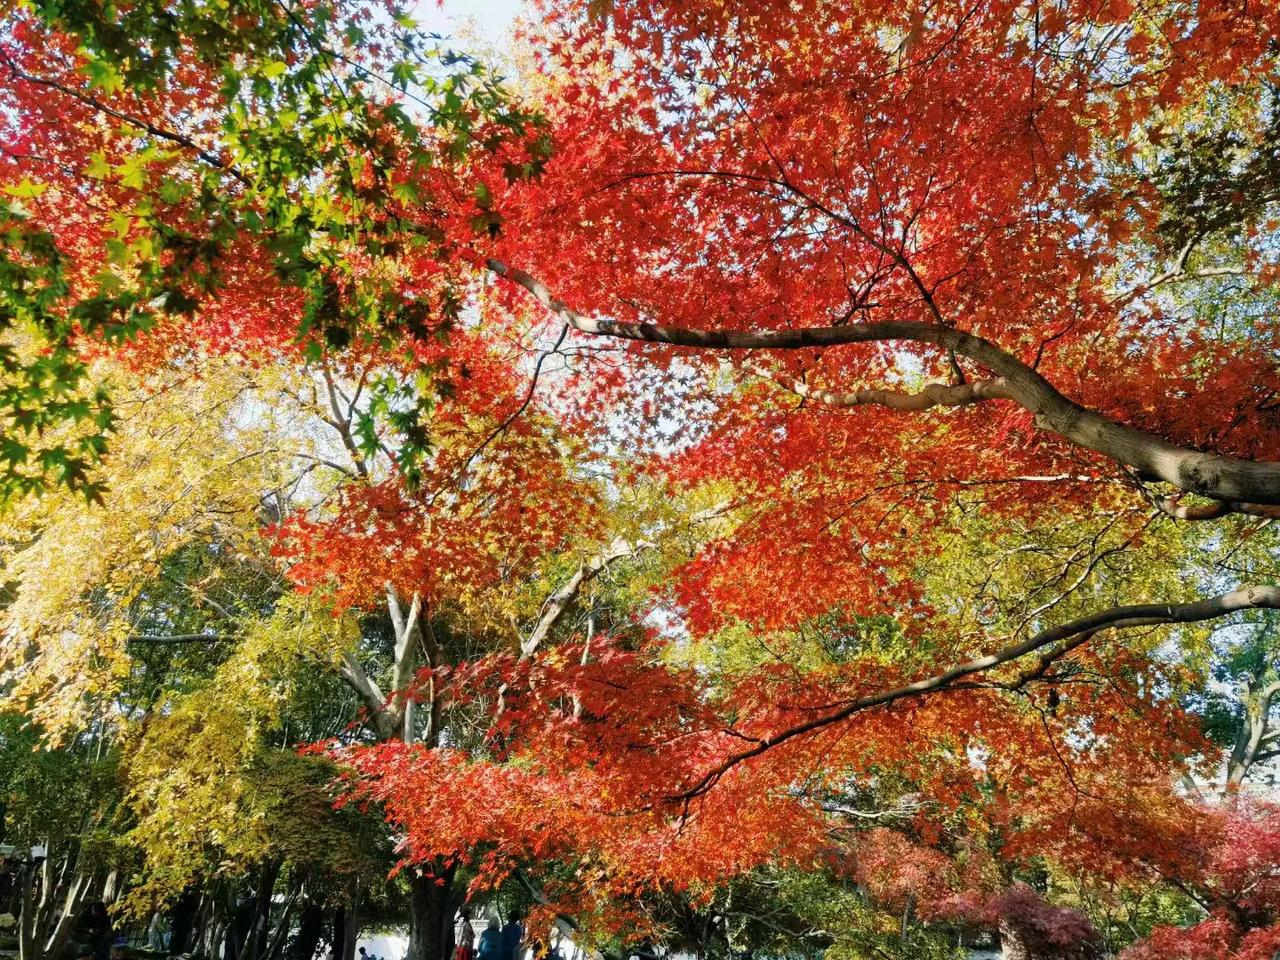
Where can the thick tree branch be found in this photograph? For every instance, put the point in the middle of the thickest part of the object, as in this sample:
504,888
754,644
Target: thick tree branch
1178,271
905,810
366,688
408,629
1254,732
1173,507
566,925
341,422
177,638
564,596
567,593
1063,638
1208,474
932,395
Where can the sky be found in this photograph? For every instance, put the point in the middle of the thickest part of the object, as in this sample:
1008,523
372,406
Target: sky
491,19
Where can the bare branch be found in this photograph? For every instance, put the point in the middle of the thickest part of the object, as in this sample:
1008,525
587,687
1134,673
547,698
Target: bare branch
566,925
207,156
341,421
1177,272
567,593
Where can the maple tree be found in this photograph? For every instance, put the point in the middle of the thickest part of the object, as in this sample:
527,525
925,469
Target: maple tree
975,189
159,613
940,337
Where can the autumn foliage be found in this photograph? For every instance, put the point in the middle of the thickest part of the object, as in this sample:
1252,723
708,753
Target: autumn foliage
891,386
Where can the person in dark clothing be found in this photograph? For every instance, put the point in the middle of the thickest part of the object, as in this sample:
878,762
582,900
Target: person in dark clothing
512,938
8,886
490,942
95,930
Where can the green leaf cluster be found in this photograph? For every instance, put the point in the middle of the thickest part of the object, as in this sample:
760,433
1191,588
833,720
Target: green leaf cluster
326,121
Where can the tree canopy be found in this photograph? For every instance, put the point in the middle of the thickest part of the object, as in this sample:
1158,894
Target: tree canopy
756,476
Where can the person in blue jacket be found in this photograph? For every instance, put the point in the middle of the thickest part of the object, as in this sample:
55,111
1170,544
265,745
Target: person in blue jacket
512,938
490,947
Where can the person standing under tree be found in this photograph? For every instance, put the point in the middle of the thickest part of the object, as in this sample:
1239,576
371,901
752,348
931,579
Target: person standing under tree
491,942
464,935
512,938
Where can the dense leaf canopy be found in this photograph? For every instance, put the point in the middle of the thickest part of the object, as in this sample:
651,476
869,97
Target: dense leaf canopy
758,444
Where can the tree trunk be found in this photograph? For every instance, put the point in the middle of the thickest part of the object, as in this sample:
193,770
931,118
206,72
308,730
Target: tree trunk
430,916
220,944
1012,944
182,921
284,920
60,936
1256,697
456,901
111,888
260,919
339,935
47,914
207,938
310,931
346,926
